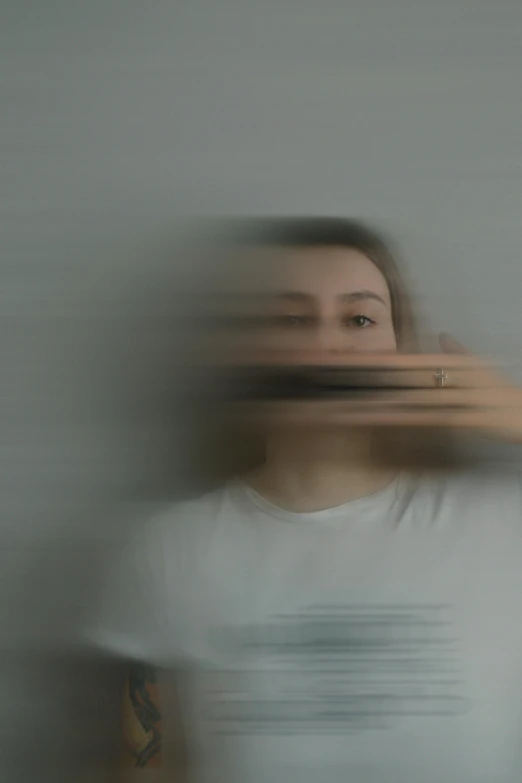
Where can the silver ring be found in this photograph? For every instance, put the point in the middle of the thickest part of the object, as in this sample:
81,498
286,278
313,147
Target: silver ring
440,376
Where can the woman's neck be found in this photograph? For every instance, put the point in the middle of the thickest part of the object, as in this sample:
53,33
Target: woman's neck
310,473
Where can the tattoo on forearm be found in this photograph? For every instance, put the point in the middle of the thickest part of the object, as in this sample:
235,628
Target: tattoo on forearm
143,692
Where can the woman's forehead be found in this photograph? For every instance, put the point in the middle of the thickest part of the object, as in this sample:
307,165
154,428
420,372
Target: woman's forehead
310,270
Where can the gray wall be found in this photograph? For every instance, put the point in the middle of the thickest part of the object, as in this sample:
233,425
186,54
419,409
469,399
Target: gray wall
119,116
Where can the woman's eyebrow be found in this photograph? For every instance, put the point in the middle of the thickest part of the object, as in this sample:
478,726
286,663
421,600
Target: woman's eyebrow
358,296
303,297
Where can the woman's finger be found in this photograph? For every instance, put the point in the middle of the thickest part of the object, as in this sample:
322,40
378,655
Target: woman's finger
450,345
484,376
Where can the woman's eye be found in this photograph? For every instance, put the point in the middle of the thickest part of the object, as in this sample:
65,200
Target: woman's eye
361,321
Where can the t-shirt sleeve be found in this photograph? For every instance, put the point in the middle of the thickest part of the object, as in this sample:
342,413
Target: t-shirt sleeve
132,617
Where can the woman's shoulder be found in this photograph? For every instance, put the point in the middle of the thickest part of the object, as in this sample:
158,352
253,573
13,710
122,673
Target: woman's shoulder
481,495
471,481
187,516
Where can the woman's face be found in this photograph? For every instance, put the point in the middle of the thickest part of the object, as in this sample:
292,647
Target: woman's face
311,306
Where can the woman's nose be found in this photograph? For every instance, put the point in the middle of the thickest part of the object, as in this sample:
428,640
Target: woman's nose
329,340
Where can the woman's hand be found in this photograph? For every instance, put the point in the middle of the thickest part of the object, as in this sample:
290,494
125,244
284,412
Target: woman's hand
501,415
453,389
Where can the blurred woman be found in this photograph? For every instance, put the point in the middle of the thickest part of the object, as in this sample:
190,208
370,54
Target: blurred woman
332,613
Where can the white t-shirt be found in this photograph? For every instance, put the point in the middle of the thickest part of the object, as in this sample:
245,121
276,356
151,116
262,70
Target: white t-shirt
376,642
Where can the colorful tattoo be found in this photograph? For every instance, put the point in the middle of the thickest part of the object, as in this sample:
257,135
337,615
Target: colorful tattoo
144,696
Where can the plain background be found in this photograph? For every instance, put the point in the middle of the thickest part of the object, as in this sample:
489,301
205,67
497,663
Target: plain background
120,117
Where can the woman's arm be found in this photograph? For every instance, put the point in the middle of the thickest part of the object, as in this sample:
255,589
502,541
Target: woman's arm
144,692
141,718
